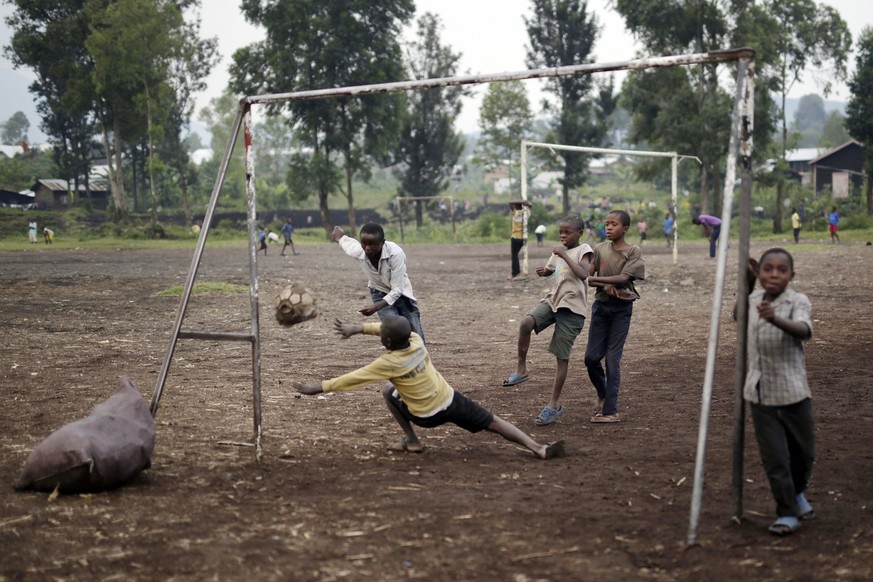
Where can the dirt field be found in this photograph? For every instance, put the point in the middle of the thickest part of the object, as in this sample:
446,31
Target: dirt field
330,503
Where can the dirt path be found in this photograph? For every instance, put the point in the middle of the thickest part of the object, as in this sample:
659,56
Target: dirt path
329,502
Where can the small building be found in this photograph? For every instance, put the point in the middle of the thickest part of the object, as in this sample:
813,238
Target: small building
56,194
12,199
840,171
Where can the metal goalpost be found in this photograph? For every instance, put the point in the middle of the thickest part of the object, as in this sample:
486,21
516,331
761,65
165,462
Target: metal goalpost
740,145
674,166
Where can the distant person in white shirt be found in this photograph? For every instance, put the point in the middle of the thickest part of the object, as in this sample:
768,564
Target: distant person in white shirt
540,231
384,263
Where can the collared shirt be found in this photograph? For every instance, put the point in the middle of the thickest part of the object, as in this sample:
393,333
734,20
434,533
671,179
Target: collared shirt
776,374
421,387
390,277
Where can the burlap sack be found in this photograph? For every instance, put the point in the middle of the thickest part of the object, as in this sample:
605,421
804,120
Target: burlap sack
104,450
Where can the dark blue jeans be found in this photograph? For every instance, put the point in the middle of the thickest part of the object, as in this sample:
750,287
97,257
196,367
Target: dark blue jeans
515,245
786,439
607,333
716,230
403,307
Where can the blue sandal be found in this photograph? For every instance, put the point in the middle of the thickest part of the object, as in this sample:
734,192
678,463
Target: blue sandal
784,526
549,416
806,511
515,378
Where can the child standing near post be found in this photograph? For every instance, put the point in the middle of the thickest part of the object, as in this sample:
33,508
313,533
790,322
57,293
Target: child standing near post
565,306
777,390
617,264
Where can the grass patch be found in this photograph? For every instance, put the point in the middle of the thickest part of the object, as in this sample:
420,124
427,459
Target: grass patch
208,287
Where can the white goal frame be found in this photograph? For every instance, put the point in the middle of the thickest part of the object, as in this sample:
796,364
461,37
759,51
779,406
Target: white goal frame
674,164
739,148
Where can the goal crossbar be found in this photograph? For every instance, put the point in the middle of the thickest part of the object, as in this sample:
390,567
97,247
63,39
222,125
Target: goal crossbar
674,157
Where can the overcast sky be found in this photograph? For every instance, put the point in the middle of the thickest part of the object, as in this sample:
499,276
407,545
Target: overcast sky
490,34
491,37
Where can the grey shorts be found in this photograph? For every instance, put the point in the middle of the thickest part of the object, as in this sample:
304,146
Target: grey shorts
568,325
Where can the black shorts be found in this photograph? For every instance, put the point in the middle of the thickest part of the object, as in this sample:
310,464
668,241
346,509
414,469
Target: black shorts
463,412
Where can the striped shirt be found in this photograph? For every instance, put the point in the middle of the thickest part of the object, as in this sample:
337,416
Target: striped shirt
776,374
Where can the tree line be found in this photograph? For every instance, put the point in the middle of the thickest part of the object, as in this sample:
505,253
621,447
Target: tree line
114,79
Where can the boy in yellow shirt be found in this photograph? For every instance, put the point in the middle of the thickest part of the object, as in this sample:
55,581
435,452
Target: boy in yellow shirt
418,393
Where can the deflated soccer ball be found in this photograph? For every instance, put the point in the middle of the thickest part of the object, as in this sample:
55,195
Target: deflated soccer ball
295,304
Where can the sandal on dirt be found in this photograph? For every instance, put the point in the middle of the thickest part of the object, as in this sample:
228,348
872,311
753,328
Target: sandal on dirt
402,446
807,513
549,415
555,450
784,526
600,418
515,378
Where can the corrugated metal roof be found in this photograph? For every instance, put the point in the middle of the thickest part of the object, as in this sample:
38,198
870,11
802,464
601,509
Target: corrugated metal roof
58,185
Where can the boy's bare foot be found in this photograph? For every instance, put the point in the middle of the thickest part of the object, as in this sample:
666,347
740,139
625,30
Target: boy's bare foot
552,451
599,408
405,445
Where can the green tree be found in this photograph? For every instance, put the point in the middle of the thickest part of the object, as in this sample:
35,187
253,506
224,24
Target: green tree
15,129
859,111
49,38
809,120
429,147
315,44
505,119
219,117
563,32
834,132
804,34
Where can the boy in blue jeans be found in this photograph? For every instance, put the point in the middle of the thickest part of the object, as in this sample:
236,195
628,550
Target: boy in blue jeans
384,263
617,264
418,394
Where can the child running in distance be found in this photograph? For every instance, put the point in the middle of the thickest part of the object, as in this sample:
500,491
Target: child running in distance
776,387
418,393
617,264
565,306
384,263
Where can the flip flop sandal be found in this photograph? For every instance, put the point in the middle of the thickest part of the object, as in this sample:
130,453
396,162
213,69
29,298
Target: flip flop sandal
402,446
515,378
599,418
549,416
807,513
784,526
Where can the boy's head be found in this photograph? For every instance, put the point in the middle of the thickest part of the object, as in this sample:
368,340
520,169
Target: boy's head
695,220
571,229
290,220
775,271
372,239
617,224
394,333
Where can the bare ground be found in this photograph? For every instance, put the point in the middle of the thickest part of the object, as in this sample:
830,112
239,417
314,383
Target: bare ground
328,502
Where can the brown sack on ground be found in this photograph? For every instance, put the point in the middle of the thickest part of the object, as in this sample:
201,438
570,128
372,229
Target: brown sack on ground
104,450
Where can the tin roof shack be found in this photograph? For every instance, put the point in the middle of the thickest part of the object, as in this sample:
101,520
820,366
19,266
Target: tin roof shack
840,171
55,194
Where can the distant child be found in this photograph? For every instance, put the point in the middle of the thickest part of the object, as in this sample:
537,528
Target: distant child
669,228
516,238
776,387
262,239
833,224
384,263
642,227
418,393
31,231
540,231
795,225
287,231
565,306
617,264
49,235
712,226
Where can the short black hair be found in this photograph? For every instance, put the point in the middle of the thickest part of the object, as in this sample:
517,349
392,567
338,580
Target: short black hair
622,215
374,229
777,251
576,222
397,329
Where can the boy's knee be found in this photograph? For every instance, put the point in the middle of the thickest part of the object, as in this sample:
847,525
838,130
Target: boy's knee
527,324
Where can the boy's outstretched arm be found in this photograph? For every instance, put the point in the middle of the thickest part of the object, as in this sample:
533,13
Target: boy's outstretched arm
337,234
308,389
347,329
